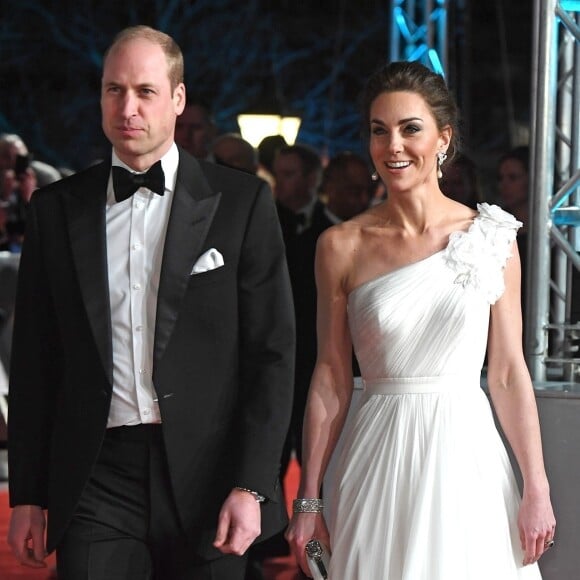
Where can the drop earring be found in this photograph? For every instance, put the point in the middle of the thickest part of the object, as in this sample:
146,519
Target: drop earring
441,157
375,176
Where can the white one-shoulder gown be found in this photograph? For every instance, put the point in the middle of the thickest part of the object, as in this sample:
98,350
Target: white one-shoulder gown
425,489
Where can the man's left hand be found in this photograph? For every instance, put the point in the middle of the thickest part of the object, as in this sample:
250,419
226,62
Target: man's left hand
238,523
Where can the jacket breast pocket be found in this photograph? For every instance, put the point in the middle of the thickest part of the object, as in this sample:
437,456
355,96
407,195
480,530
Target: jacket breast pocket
210,277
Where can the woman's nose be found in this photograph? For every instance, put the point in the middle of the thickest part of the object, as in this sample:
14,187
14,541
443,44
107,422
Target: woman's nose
395,143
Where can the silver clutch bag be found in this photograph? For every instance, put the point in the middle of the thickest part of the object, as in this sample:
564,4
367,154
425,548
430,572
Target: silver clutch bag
318,556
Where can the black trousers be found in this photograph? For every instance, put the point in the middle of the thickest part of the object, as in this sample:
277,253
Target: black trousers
126,526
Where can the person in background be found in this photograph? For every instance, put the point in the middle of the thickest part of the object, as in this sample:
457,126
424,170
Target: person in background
4,239
153,350
460,181
513,182
267,150
419,285
195,128
14,154
513,191
16,189
347,189
232,150
297,172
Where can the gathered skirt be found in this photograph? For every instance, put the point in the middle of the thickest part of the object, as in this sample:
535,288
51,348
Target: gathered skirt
424,488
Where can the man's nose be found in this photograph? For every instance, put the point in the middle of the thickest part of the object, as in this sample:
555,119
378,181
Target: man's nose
129,105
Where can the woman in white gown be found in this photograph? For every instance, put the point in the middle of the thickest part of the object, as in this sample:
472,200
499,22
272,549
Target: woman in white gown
420,286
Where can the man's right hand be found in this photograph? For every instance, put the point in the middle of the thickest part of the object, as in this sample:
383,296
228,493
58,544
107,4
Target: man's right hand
26,535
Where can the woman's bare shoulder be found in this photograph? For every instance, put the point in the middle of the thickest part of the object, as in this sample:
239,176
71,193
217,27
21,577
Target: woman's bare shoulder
337,247
339,235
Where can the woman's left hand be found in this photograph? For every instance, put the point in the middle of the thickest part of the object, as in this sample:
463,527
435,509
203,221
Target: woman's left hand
537,525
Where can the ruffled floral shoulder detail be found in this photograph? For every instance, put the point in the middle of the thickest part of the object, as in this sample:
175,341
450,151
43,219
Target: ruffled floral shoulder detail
479,255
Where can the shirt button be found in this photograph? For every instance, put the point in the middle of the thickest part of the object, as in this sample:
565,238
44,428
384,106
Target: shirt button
146,411
136,246
138,205
142,371
139,328
136,286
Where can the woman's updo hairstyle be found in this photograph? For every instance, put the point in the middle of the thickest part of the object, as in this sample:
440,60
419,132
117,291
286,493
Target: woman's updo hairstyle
415,78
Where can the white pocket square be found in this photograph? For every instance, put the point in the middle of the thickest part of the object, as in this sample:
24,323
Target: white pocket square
209,260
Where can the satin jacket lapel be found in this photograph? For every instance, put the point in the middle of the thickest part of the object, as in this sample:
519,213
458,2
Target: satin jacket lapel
194,205
85,210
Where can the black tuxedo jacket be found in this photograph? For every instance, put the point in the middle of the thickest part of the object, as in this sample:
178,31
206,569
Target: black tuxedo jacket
223,353
301,254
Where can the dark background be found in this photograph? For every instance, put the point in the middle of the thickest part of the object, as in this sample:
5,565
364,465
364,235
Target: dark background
309,57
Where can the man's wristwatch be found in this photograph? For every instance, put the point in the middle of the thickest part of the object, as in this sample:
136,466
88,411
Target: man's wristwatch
257,496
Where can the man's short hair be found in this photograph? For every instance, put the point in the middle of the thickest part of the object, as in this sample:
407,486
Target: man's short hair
170,48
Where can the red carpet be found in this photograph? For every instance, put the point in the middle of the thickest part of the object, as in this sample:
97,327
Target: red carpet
275,569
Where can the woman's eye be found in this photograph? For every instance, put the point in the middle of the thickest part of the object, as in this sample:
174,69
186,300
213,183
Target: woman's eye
412,128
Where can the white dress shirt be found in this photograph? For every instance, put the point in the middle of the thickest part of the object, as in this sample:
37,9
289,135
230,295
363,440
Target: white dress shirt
136,231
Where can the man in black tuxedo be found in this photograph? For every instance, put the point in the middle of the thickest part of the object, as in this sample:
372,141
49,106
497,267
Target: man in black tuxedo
196,129
153,350
297,170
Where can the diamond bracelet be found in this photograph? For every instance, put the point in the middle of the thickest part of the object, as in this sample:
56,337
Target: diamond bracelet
301,506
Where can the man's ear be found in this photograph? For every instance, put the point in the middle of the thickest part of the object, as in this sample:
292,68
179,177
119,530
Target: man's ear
179,98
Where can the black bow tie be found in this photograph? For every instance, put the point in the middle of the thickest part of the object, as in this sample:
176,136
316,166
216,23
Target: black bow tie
125,183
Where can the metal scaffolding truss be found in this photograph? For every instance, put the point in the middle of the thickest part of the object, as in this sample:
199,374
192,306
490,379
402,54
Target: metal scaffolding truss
419,32
553,330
